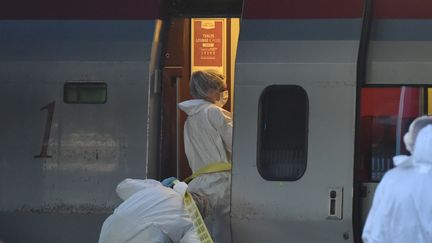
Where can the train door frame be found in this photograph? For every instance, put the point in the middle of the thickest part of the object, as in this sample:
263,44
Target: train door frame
175,76
175,88
373,73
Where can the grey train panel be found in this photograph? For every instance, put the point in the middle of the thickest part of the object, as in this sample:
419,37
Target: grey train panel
20,227
92,147
291,211
397,62
154,101
400,51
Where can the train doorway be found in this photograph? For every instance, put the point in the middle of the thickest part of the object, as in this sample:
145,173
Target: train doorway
192,44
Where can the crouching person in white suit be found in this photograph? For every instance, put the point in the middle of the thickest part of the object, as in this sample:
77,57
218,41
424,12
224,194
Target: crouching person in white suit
150,213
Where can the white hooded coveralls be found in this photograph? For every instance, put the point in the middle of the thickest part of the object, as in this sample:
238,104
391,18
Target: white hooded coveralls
151,213
208,139
402,206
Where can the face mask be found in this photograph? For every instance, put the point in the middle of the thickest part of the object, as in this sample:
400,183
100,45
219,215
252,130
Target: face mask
223,99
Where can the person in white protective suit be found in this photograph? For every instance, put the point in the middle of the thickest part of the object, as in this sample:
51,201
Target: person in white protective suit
150,213
208,139
402,206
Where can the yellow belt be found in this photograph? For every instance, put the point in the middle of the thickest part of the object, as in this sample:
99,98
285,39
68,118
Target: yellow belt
210,168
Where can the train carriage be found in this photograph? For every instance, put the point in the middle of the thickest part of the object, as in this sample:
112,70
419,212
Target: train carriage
322,93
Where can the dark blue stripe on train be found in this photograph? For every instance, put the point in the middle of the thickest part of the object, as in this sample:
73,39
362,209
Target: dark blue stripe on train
76,40
334,29
317,29
402,30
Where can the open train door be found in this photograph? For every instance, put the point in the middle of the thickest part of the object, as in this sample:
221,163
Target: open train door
294,123
396,89
201,35
74,84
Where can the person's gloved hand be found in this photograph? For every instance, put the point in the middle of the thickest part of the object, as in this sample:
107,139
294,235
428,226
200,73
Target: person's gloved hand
168,182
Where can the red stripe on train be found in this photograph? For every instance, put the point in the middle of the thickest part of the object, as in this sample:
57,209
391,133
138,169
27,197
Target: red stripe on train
403,9
79,9
254,9
306,9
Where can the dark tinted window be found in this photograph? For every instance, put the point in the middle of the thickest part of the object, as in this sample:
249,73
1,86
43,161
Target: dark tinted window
282,132
85,93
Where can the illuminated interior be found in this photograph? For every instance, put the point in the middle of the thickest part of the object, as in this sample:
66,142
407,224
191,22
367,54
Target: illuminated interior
386,113
214,46
429,95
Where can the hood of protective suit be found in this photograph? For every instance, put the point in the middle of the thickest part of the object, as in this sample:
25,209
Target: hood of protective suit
194,106
414,128
422,154
128,187
423,146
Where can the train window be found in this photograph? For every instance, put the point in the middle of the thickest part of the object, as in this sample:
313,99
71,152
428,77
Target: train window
85,93
386,113
283,132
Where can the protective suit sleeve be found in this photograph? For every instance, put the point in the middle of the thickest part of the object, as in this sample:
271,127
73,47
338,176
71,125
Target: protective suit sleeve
376,225
222,122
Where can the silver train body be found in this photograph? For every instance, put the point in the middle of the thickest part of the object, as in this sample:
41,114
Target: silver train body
61,188
65,195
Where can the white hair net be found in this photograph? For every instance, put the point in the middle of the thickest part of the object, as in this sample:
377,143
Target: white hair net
410,137
204,81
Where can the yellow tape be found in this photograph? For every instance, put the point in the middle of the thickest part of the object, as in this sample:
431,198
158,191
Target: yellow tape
210,168
197,219
191,206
